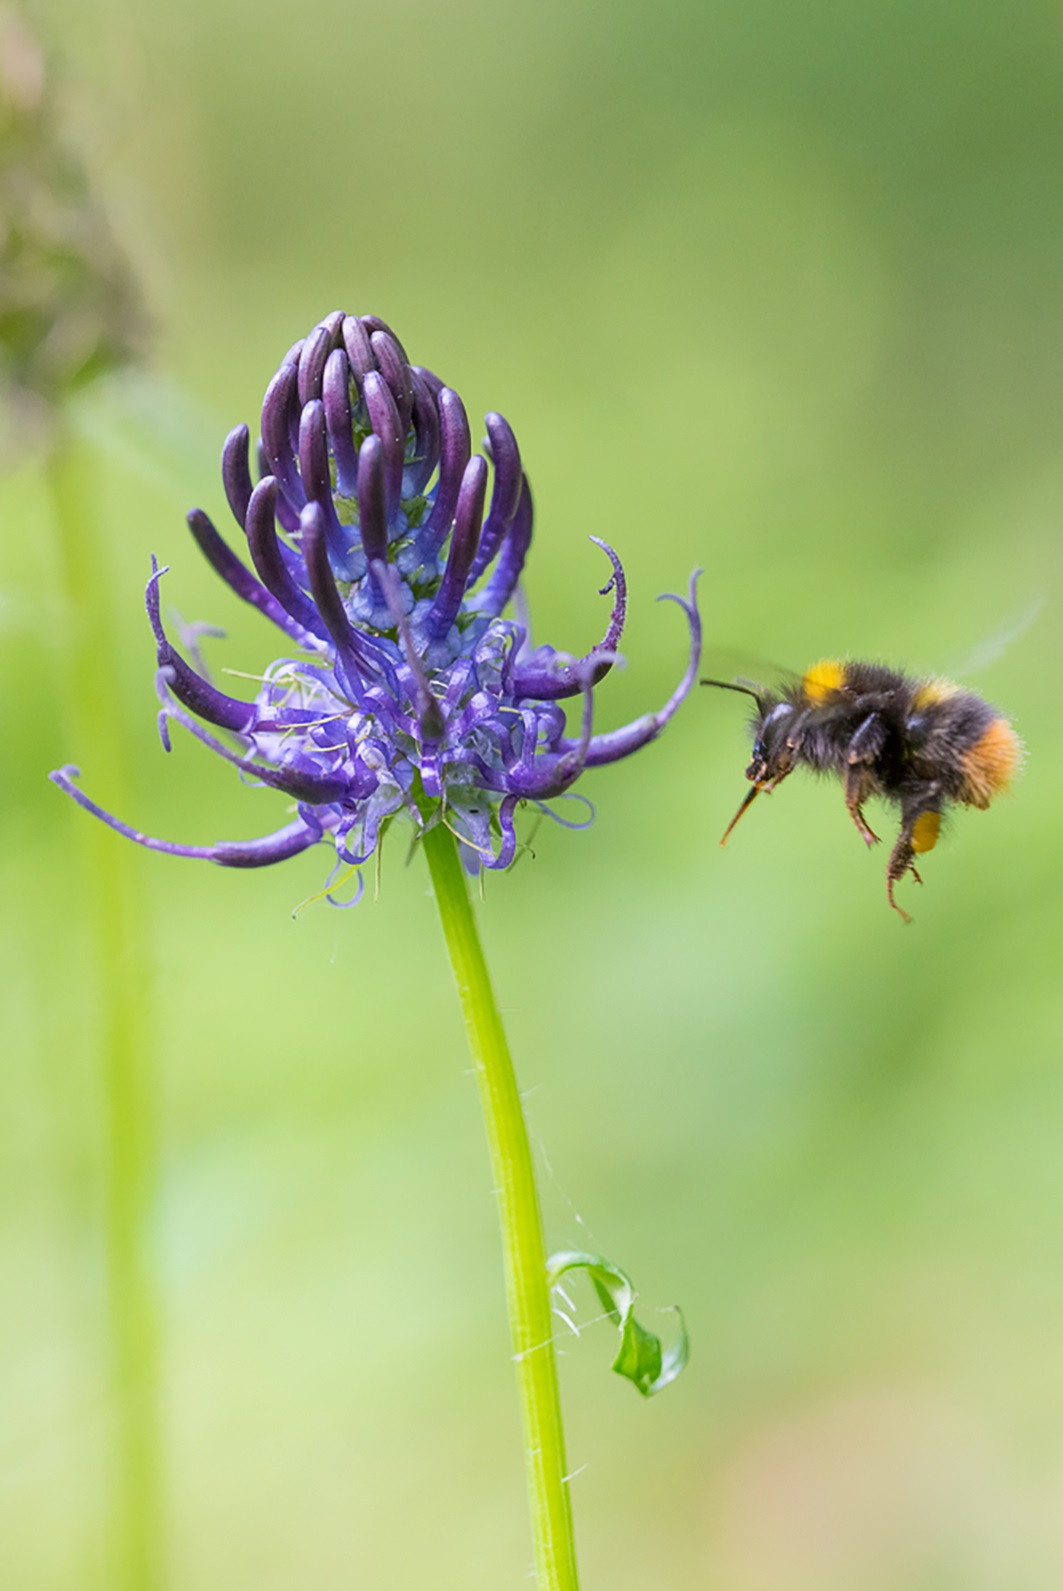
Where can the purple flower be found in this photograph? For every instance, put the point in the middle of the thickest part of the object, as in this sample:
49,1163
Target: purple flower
386,562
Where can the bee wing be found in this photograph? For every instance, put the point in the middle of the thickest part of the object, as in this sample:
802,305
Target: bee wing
992,649
730,668
744,668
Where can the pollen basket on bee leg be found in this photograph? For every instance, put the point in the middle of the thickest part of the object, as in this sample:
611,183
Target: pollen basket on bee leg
925,832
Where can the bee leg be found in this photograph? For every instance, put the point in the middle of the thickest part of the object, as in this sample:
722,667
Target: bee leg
860,755
899,863
920,822
857,789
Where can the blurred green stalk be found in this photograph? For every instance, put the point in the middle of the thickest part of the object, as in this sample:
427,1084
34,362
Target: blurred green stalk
527,1292
117,919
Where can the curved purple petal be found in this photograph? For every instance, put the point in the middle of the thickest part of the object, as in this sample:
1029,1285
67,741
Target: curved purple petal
224,561
317,482
336,396
334,879
622,742
268,561
374,323
188,686
391,363
463,543
280,413
359,349
236,471
505,495
508,848
498,592
418,471
455,452
384,417
358,660
372,501
541,775
430,379
277,847
318,789
570,823
541,674
328,601
316,349
289,841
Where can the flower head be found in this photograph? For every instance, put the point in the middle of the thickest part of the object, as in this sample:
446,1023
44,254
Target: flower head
386,551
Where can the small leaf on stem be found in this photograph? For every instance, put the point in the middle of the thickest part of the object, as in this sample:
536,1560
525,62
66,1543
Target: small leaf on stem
640,1358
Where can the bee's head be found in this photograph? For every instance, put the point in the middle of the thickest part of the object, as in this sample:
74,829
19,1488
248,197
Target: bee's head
774,744
774,753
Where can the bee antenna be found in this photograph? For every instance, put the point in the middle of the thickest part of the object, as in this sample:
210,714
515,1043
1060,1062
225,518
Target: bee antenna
731,685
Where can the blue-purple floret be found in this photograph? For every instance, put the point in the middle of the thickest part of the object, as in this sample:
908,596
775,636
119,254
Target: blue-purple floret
386,551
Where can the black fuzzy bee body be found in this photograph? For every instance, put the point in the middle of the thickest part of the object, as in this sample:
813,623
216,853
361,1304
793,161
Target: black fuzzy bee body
919,743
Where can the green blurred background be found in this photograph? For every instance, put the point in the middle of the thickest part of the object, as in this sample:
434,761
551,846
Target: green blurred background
771,289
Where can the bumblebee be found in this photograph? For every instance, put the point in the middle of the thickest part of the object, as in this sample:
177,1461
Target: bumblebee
922,744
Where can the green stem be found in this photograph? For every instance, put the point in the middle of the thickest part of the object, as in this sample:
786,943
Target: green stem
524,1251
117,926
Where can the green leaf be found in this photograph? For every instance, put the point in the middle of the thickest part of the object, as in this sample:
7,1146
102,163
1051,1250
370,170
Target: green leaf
640,1357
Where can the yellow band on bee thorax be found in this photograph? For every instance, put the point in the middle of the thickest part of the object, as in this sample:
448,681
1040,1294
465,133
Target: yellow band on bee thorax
823,679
